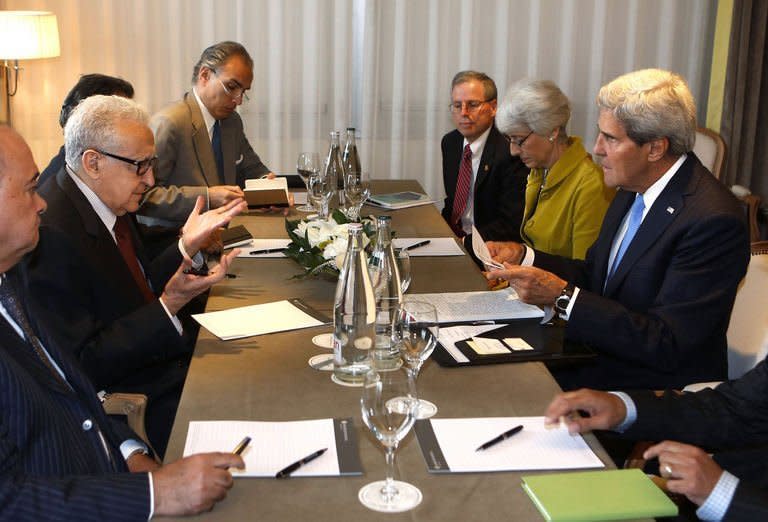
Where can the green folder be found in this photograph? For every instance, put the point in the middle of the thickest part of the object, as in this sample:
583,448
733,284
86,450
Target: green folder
598,495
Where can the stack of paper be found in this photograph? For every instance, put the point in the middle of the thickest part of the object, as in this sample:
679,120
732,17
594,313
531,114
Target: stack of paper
458,307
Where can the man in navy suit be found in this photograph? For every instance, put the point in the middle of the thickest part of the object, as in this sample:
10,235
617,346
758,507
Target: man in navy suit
655,292
60,456
730,421
491,192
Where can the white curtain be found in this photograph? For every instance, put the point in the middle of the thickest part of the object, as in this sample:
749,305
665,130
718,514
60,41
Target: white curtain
383,66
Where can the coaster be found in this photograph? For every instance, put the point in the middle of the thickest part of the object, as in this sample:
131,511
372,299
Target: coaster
322,362
348,384
426,409
323,341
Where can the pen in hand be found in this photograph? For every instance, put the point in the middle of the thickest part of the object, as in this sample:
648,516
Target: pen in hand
241,446
417,245
286,471
503,436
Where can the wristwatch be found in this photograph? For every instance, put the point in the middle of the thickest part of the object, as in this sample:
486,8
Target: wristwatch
564,299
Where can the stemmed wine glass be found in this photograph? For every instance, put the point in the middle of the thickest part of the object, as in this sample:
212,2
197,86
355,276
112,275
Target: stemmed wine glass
404,268
356,192
307,164
320,191
388,405
415,332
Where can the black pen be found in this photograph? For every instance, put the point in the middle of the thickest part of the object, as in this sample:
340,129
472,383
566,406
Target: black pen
230,276
503,436
417,245
241,446
267,251
286,472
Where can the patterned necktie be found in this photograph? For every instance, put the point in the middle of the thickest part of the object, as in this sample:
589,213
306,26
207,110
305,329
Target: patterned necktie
217,154
462,191
122,231
635,217
10,301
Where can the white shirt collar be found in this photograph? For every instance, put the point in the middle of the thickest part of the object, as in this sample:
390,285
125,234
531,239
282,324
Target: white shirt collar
478,145
207,117
102,210
653,192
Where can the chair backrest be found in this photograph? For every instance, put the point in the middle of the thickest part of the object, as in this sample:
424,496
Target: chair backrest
748,328
710,149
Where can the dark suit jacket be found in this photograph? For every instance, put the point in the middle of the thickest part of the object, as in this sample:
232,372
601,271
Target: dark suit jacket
51,467
57,163
662,319
499,189
123,343
186,163
731,420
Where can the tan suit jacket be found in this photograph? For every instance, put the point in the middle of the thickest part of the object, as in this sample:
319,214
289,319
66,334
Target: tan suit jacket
186,163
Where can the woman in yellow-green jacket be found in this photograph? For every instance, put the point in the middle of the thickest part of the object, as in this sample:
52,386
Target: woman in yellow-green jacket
565,198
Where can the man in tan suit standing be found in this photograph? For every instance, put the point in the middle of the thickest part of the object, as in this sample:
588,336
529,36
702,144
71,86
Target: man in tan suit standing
201,145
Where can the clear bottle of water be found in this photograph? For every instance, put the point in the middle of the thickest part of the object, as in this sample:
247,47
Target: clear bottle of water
385,276
354,313
334,171
350,158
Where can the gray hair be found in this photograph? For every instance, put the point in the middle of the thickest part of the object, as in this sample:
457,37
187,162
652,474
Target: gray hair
538,105
652,104
92,124
219,53
489,86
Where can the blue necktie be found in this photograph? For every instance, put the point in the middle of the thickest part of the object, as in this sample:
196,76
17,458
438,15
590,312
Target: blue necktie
635,217
217,154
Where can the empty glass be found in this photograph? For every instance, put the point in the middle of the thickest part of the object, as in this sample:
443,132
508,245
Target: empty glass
388,405
404,268
356,191
307,164
415,332
321,189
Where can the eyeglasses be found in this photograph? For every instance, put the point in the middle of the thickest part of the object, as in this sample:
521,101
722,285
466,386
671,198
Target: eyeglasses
472,105
518,142
142,166
236,93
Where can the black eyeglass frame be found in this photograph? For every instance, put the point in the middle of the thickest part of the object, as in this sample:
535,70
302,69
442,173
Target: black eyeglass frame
519,142
142,166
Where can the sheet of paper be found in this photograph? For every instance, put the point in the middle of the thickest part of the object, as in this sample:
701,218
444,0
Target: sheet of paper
274,445
535,447
299,198
518,344
263,244
479,306
438,246
484,346
247,321
481,250
450,335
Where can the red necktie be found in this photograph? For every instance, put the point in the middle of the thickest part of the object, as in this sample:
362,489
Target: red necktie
462,191
125,245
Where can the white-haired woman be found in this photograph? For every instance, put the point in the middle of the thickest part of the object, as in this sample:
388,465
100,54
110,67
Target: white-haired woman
566,198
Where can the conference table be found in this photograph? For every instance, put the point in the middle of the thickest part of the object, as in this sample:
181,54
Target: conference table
267,378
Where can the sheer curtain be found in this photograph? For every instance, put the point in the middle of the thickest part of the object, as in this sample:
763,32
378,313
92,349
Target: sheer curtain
383,66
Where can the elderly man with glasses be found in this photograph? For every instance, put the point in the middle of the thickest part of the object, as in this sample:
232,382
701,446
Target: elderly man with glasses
484,184
114,305
201,146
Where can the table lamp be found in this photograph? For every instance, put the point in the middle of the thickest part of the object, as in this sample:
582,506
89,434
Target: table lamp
25,35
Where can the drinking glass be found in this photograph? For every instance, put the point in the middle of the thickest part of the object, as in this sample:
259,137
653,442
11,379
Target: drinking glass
415,332
357,188
320,191
404,268
307,164
388,404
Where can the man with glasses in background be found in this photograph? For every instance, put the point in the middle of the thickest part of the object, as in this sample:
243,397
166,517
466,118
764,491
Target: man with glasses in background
484,184
200,142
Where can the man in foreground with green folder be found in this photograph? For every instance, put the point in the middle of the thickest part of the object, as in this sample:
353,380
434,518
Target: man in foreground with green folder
731,420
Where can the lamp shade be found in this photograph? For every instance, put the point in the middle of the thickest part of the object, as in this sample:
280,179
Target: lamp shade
28,34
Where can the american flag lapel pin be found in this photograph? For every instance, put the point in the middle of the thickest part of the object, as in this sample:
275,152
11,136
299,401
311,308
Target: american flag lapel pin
670,210
486,167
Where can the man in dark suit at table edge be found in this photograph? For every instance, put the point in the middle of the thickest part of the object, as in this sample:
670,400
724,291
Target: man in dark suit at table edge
484,184
61,457
730,420
655,292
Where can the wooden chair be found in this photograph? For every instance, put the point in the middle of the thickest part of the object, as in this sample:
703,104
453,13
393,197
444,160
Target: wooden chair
134,407
710,149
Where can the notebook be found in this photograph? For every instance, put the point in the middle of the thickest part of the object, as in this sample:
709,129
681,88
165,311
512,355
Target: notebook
598,495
